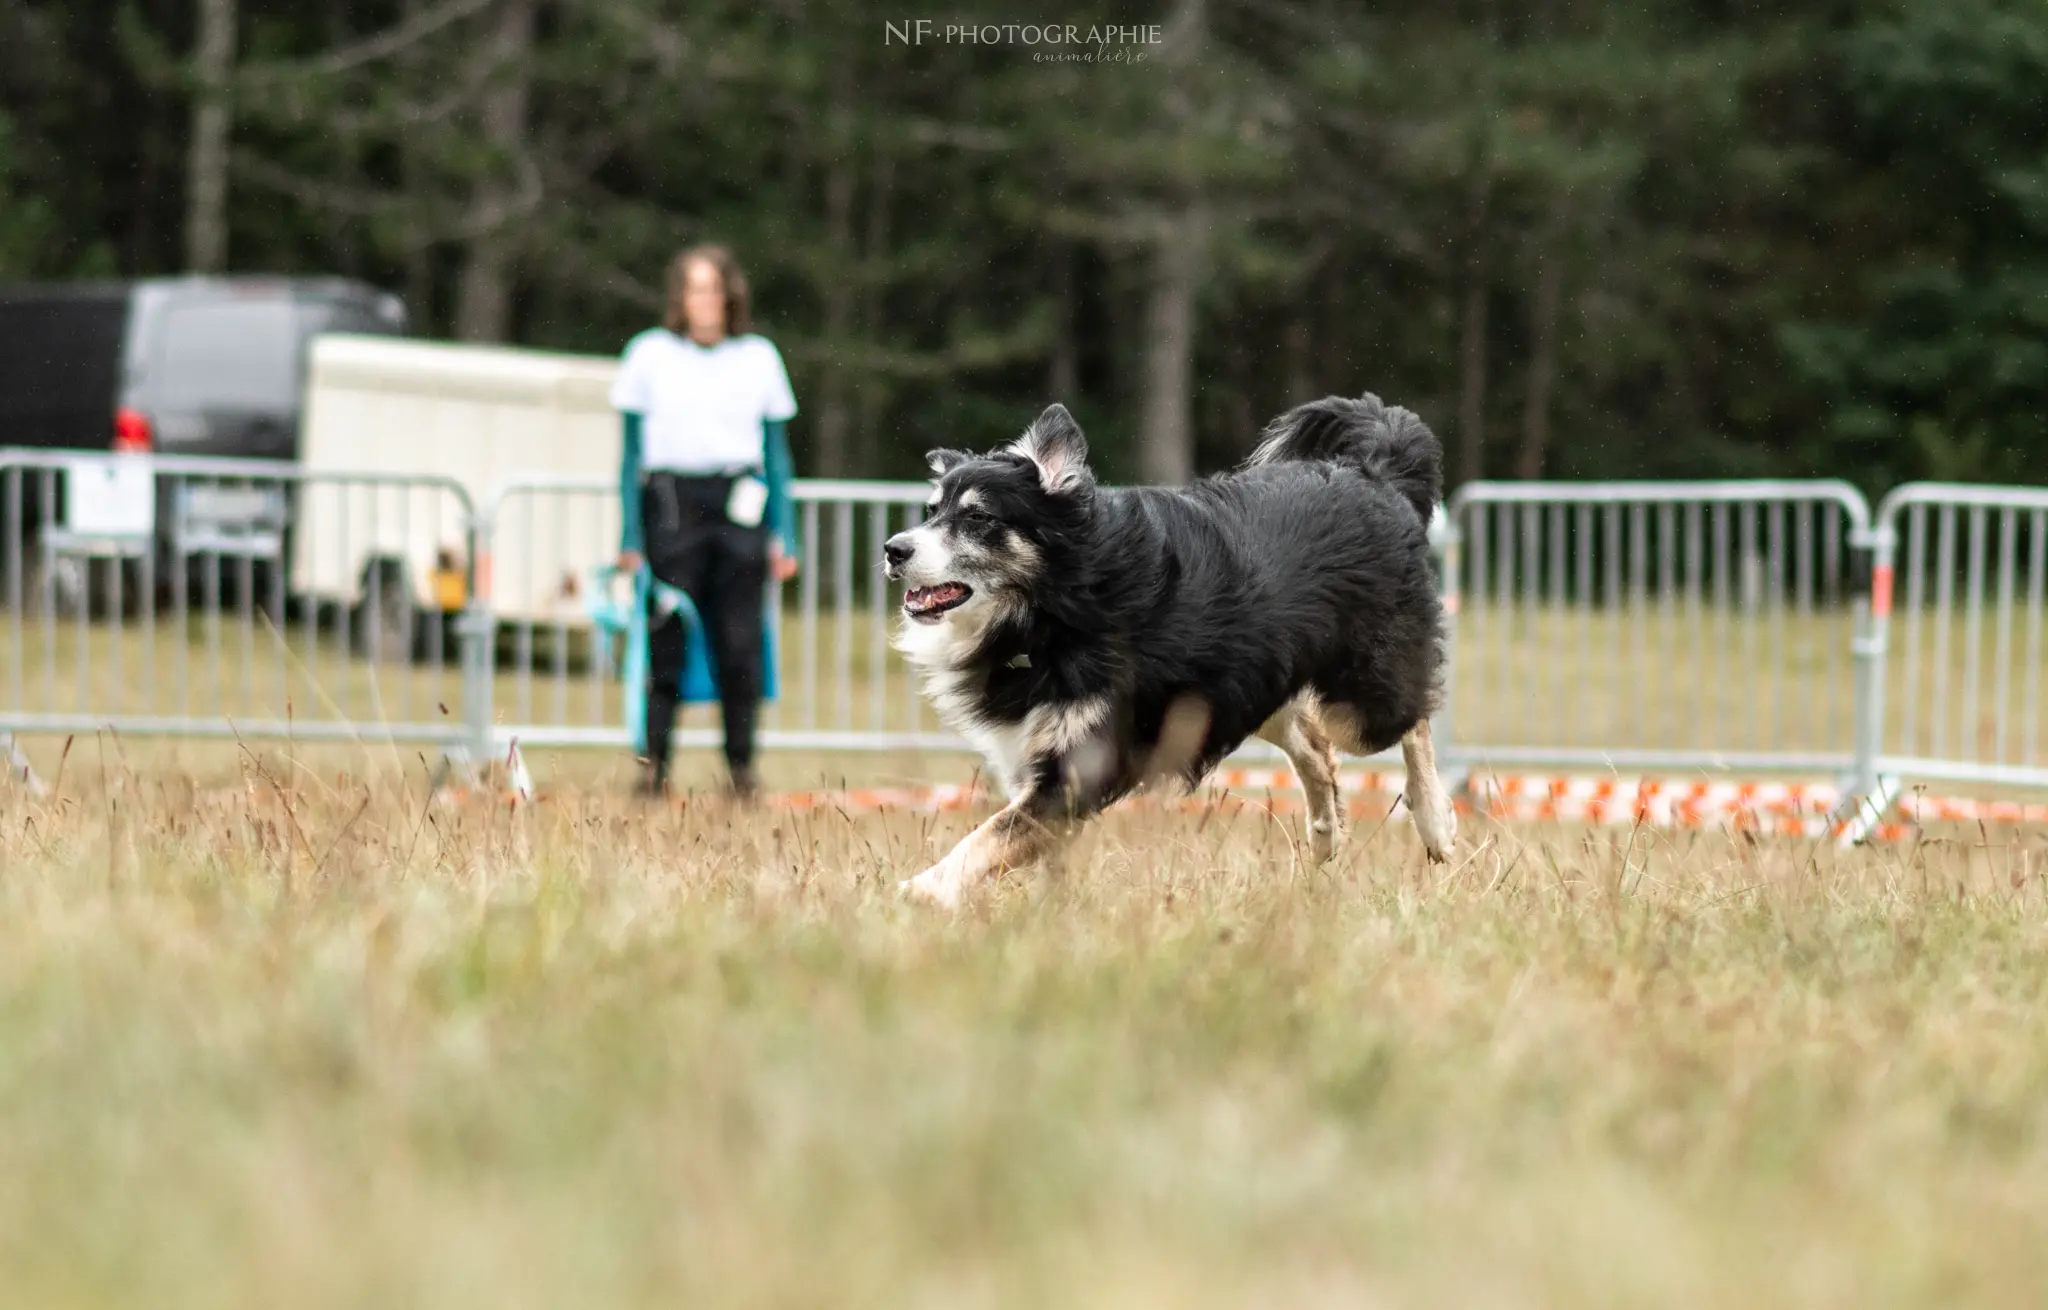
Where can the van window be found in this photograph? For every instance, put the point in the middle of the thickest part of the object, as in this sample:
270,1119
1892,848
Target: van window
227,354
60,353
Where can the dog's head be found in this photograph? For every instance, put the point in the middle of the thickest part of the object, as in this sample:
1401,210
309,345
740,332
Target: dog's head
992,526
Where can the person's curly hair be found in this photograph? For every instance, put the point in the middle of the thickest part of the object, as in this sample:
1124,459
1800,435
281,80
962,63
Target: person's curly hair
739,318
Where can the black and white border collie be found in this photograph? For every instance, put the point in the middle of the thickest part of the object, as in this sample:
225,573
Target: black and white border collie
1090,640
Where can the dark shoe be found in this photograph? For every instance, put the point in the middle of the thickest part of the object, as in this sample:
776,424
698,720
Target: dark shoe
652,784
745,787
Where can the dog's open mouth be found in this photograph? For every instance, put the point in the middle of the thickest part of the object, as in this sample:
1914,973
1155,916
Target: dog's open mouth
928,603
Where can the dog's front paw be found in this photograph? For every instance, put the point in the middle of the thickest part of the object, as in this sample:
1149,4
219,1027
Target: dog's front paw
1437,824
1324,837
934,887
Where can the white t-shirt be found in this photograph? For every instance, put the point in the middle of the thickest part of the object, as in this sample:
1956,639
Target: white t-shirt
702,406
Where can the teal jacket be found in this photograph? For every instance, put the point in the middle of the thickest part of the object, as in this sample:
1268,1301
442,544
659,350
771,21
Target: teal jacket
700,681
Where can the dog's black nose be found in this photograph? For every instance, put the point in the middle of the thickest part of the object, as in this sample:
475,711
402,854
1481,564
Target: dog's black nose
898,550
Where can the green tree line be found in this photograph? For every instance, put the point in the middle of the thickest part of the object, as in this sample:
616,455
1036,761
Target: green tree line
1582,238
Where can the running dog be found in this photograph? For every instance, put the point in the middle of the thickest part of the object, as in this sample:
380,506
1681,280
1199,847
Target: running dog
1090,640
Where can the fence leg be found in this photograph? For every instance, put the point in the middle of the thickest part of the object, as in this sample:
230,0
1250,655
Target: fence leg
1867,795
1444,536
477,632
1859,814
456,768
516,776
18,766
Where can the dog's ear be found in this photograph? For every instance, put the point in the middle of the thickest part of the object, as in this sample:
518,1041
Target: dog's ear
943,462
1055,444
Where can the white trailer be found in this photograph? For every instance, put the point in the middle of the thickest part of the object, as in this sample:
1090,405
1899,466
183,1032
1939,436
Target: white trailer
477,417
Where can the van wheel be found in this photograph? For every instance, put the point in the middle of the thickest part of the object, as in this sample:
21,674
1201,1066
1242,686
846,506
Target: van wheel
134,602
76,586
385,624
66,580
267,594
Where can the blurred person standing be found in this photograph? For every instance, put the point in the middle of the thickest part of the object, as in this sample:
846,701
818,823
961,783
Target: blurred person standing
704,487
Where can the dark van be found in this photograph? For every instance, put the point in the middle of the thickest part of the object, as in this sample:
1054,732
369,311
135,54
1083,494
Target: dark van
182,366
211,366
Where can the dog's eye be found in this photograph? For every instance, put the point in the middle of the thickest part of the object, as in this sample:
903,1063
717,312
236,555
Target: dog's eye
972,514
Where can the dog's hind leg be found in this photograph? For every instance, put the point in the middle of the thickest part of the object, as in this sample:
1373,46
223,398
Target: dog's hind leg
1435,822
1298,731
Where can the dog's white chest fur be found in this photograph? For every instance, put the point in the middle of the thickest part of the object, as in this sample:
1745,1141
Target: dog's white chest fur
1004,745
938,650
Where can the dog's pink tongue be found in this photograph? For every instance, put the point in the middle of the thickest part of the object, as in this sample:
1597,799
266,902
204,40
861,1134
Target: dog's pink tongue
924,598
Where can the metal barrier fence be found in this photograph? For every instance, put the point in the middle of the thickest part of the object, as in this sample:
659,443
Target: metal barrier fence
228,598
1686,626
1958,598
1726,626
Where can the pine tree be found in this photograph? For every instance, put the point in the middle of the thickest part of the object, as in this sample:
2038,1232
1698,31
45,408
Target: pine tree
1944,370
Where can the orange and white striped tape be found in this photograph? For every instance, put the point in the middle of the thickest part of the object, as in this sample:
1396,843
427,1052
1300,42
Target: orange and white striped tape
1790,808
1939,809
929,800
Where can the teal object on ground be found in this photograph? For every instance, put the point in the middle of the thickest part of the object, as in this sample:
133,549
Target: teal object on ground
627,623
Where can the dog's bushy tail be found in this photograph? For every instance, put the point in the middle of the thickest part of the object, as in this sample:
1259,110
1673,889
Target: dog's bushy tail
1383,441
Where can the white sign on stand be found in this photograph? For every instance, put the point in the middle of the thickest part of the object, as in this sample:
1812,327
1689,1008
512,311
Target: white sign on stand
109,496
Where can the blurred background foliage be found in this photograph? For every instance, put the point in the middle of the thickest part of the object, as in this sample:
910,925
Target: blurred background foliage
1582,238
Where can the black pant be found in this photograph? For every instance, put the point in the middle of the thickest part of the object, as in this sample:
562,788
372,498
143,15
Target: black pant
723,567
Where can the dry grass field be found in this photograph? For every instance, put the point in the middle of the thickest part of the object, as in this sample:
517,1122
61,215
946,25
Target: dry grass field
283,1034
